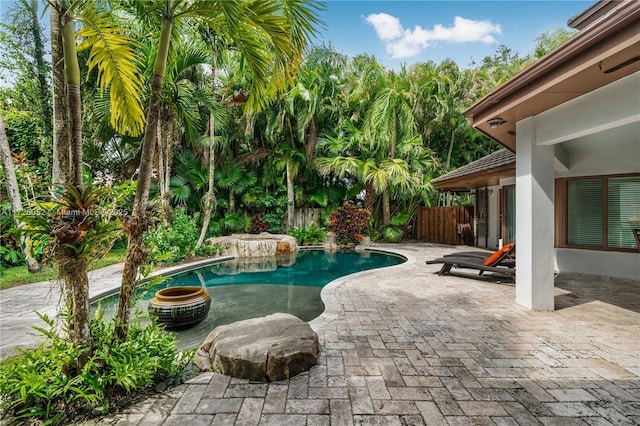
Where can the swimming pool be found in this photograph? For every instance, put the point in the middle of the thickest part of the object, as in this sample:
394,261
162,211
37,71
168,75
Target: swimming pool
250,288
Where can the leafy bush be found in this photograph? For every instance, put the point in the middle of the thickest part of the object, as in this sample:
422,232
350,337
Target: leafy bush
396,230
310,235
209,250
174,242
349,223
232,222
45,384
258,225
392,234
273,207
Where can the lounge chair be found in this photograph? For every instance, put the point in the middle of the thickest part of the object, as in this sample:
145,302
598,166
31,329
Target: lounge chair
500,261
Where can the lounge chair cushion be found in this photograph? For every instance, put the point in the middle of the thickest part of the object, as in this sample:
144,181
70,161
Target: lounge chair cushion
498,255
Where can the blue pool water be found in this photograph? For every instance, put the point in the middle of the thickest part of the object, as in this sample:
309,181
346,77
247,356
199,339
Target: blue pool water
249,288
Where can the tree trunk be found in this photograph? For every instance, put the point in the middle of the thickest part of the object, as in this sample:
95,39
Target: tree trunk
210,198
61,166
386,208
291,203
13,192
369,197
313,138
74,271
232,201
41,72
74,274
136,224
72,77
165,153
446,166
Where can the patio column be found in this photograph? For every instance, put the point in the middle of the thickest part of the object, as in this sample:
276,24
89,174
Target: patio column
534,219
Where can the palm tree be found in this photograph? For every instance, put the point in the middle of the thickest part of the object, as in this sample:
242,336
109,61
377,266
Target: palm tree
111,56
271,36
209,201
390,122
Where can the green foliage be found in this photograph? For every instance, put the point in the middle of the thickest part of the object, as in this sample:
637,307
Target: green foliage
400,219
209,250
392,234
396,230
25,135
74,225
173,243
310,235
45,383
274,208
10,252
232,222
349,224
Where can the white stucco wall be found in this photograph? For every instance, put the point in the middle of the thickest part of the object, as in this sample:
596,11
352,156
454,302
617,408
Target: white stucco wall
594,262
596,140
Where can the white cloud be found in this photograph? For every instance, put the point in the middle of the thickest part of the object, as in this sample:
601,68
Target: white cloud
406,43
387,27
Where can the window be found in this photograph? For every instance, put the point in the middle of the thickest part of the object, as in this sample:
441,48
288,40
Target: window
623,211
602,211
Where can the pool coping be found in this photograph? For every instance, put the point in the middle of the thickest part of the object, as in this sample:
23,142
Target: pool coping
329,297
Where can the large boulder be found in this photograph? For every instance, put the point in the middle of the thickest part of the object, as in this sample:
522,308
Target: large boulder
268,349
256,245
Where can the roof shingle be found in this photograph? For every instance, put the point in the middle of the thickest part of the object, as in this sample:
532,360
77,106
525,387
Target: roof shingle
495,160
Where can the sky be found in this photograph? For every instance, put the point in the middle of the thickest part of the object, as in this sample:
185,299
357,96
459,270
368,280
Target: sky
411,31
408,32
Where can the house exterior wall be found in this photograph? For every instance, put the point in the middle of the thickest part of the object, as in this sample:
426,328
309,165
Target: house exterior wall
595,262
596,141
620,157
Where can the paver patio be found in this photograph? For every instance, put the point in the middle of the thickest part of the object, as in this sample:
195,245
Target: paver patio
404,346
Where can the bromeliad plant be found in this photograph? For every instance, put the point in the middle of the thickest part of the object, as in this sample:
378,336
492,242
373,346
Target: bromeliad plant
76,227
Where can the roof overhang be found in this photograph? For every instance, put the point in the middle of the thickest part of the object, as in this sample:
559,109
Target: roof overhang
476,180
605,51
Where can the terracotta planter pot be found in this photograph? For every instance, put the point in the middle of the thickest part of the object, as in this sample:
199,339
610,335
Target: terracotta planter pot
180,307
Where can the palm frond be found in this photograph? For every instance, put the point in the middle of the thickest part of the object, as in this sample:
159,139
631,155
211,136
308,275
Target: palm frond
113,54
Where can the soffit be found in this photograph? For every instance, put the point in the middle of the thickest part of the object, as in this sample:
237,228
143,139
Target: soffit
572,70
479,180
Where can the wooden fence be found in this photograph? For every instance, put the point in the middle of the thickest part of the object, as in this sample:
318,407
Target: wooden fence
303,217
445,225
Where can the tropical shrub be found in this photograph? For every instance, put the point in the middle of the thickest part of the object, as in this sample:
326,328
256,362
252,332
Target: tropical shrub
10,251
310,235
74,225
349,223
273,207
45,383
232,222
209,250
167,244
396,230
258,224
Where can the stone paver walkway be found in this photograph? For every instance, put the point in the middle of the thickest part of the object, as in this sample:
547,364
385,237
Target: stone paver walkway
404,346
